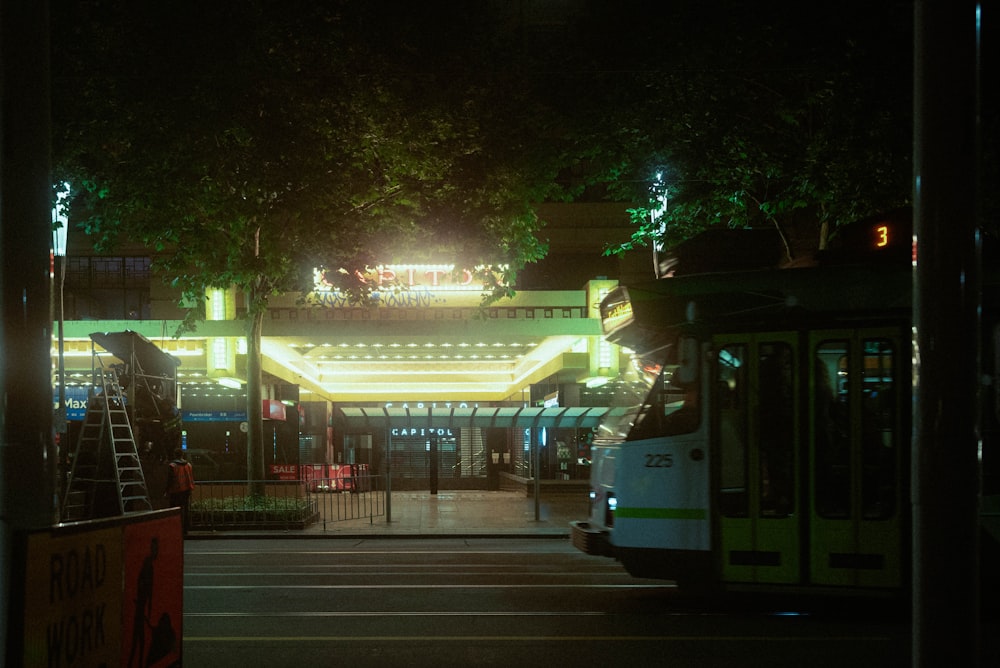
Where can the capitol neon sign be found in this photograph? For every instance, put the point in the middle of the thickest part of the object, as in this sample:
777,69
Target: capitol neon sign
421,431
410,276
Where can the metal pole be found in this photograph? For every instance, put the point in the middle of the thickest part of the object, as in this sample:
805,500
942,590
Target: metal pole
538,473
27,454
388,475
434,464
61,415
946,483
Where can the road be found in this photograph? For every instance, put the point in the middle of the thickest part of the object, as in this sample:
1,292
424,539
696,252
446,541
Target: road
490,602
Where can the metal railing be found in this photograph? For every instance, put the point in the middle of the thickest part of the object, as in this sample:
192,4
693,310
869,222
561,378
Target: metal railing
219,505
348,498
239,504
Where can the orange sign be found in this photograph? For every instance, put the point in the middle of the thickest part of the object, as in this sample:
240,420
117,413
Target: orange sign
105,593
152,599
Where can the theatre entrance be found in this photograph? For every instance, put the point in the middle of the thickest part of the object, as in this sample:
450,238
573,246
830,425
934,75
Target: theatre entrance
433,458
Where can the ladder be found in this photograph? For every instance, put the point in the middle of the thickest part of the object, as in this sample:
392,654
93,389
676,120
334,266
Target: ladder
106,476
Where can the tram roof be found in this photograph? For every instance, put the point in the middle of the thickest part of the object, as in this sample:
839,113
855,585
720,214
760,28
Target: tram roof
854,288
484,417
756,296
820,288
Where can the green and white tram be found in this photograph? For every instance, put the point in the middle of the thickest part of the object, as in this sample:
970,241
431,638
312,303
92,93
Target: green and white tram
767,431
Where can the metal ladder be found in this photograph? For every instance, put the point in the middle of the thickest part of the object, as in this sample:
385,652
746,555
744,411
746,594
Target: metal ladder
106,477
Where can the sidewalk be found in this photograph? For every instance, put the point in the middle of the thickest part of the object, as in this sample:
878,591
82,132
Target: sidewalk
452,513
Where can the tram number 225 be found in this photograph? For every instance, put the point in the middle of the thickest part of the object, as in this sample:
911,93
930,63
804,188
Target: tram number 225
659,460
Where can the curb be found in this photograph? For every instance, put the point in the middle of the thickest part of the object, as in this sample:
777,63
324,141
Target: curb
265,535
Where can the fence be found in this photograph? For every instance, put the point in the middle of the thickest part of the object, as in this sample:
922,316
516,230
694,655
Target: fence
348,498
221,505
231,504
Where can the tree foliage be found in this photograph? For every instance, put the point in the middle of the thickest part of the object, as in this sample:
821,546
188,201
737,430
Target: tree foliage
249,142
756,117
257,139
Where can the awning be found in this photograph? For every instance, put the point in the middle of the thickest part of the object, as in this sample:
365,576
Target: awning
134,348
556,417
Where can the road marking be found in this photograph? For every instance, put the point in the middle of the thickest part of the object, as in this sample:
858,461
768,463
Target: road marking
431,613
371,571
439,586
528,638
569,550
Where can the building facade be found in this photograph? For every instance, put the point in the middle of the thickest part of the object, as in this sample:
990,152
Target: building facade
426,384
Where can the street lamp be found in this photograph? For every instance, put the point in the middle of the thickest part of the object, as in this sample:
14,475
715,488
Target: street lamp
659,199
60,229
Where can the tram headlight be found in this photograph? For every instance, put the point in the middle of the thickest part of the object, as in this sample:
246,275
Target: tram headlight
609,509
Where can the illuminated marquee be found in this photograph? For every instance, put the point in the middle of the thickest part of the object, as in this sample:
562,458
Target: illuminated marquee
408,285
437,276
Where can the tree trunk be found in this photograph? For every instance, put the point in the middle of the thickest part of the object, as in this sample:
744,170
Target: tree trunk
255,411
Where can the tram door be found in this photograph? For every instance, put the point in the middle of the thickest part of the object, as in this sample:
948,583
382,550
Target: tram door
755,422
855,425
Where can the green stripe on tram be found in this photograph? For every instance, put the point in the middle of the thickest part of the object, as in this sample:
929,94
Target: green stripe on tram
661,513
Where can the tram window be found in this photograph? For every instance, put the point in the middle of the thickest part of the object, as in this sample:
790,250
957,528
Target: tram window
688,362
831,427
681,406
996,370
640,392
777,429
681,391
878,431
732,399
856,429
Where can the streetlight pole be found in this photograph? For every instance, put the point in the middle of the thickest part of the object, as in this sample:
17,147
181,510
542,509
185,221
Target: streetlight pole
27,461
946,479
59,240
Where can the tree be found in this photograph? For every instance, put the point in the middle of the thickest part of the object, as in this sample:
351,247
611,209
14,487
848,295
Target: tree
250,141
247,143
757,118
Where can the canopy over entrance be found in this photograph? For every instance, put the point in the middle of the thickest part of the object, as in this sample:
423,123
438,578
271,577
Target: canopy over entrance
556,417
